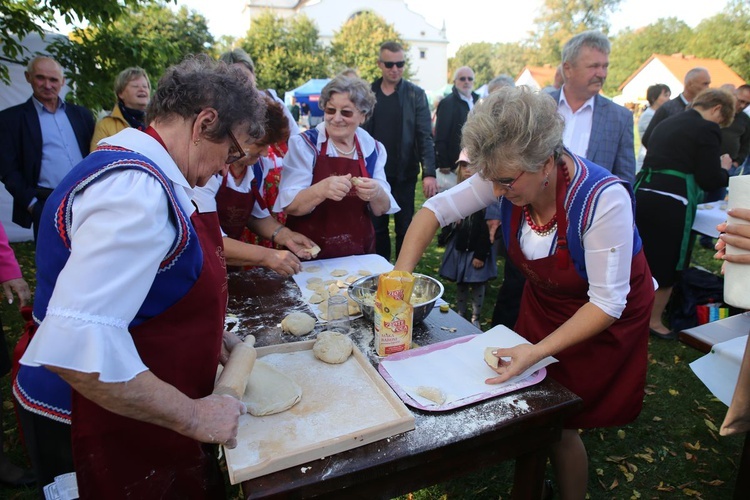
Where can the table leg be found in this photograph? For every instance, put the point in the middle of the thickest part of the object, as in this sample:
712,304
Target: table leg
528,479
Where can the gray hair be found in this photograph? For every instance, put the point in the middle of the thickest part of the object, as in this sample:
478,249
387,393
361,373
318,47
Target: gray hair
200,82
455,73
591,39
36,59
128,75
694,73
359,92
238,56
512,128
499,82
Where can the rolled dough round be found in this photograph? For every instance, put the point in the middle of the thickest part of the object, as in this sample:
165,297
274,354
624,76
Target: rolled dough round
270,391
298,324
333,347
311,269
338,272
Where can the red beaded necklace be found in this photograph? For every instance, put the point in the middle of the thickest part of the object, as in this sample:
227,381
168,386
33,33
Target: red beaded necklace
551,226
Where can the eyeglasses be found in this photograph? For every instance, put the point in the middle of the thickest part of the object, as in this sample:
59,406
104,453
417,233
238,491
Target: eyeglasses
346,113
465,78
238,153
390,64
507,182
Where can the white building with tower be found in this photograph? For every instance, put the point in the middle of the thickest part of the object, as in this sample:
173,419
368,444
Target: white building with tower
428,45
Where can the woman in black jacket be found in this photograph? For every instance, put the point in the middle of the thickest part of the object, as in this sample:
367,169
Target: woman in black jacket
682,161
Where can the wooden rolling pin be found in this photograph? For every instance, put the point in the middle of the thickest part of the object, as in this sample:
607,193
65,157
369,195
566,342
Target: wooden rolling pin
233,378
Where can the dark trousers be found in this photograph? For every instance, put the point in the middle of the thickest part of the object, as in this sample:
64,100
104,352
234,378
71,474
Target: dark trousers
509,297
403,193
49,447
36,211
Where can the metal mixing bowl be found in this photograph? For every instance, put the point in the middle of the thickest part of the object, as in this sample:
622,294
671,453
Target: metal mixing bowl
426,288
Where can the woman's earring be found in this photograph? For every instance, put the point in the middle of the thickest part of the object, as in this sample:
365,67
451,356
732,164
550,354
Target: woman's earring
546,180
195,143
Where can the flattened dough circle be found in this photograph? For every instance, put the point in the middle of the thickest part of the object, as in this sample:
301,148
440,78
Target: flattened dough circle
270,391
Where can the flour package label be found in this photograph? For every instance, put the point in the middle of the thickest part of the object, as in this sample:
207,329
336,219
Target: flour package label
393,318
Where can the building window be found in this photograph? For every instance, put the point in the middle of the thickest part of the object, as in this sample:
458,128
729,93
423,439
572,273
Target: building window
423,53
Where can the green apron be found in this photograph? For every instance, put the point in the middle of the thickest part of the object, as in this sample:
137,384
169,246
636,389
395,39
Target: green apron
694,197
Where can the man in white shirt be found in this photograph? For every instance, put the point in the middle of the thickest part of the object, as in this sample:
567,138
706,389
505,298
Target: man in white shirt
595,127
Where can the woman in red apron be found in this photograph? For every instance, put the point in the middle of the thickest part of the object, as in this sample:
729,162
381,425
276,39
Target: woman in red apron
568,225
333,177
131,294
238,199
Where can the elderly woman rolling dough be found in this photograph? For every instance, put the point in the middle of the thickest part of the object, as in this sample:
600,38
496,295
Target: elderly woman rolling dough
132,297
568,226
333,178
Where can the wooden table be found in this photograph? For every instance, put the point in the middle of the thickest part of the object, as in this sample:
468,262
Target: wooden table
520,426
704,337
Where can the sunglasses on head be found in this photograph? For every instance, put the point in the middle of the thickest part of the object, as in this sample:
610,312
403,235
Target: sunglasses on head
465,78
346,113
390,64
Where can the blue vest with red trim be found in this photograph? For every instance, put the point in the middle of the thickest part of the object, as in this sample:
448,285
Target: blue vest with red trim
586,186
39,390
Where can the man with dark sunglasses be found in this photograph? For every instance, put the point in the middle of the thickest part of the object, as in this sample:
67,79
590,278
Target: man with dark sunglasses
401,121
451,116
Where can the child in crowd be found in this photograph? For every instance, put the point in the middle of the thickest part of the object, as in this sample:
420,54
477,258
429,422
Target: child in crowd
469,257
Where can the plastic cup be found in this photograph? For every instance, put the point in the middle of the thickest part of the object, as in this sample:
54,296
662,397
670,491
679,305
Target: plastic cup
338,315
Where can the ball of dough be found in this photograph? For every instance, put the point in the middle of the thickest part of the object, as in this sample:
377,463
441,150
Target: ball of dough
298,324
333,347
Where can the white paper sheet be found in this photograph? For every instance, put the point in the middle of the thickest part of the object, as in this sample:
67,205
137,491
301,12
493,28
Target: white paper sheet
708,216
458,371
373,263
720,368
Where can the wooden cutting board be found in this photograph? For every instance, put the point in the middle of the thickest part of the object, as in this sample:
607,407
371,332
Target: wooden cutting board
343,407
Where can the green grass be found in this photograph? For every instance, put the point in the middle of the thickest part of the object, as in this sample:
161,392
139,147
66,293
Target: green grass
673,450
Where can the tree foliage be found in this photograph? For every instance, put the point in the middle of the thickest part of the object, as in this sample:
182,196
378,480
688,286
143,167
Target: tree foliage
631,48
732,45
357,44
286,51
561,19
152,37
22,17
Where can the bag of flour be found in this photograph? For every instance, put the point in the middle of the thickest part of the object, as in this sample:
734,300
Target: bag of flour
393,316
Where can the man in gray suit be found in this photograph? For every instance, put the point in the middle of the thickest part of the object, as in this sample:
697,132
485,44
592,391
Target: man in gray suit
595,127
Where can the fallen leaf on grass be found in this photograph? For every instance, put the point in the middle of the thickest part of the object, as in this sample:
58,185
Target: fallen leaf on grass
662,487
636,494
621,434
614,484
710,425
674,392
647,458
614,459
649,392
715,482
657,419
690,456
677,360
599,472
628,475
691,493
693,447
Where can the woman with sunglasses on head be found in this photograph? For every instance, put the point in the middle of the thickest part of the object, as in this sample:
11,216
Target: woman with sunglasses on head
237,197
333,176
568,226
131,295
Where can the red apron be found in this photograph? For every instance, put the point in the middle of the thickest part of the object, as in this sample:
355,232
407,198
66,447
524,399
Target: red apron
235,208
608,371
118,457
343,227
